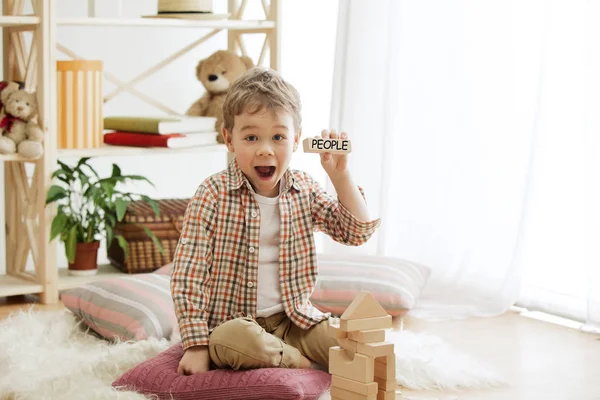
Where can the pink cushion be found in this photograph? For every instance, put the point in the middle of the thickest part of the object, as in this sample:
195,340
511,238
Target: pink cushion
158,376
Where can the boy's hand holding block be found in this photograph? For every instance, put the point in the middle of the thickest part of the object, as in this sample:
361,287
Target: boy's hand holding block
321,145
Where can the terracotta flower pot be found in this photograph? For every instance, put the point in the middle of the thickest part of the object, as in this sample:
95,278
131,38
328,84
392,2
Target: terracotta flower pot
86,259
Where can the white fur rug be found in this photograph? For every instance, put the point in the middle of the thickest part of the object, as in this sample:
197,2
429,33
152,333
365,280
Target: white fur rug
48,355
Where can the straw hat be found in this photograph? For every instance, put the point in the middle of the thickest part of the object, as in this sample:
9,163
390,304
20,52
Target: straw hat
184,6
186,9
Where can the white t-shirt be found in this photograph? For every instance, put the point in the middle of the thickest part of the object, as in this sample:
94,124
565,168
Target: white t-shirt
268,291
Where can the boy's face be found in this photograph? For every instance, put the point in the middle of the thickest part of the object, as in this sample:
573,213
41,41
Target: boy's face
263,144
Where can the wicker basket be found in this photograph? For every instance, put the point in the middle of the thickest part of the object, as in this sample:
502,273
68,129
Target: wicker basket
143,255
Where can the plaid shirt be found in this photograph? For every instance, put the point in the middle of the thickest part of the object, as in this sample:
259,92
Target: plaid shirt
216,261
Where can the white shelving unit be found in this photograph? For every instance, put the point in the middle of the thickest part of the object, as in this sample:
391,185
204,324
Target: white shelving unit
66,281
18,20
168,22
27,217
108,150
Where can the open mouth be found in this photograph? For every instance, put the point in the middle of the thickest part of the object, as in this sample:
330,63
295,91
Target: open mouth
265,172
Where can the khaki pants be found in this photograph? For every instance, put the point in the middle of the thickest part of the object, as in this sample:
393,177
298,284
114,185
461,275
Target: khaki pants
275,341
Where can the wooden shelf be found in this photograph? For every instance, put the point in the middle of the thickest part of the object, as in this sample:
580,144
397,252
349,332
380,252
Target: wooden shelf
13,286
10,20
36,66
168,22
108,150
105,271
16,157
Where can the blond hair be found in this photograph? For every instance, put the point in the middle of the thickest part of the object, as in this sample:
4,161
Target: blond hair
257,89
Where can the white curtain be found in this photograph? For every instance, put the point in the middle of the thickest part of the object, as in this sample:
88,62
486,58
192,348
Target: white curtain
562,241
467,120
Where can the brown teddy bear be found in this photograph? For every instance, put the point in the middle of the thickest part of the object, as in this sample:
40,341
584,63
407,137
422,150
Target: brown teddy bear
217,73
19,130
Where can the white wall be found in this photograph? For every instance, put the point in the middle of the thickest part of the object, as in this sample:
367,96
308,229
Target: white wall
307,53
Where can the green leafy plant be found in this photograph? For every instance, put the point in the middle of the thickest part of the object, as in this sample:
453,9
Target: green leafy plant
89,207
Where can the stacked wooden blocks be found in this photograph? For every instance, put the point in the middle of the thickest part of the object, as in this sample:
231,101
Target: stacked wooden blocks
363,366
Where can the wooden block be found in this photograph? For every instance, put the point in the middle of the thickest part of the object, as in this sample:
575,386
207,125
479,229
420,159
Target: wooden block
348,344
335,331
368,336
386,395
358,368
349,325
385,384
354,386
378,349
364,305
385,367
347,395
320,145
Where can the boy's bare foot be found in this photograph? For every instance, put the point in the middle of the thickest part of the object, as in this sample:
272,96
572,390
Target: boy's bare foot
305,362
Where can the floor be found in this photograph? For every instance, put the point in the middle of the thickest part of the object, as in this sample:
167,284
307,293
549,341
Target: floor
539,359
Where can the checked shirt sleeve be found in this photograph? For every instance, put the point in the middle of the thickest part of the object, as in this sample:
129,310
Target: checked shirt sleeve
190,282
331,217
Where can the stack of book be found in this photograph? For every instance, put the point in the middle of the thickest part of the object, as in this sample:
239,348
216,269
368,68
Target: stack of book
171,131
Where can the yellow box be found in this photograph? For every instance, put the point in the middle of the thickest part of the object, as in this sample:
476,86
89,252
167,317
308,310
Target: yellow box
79,103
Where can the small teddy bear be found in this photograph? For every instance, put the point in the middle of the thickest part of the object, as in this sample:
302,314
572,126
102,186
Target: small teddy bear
19,130
217,73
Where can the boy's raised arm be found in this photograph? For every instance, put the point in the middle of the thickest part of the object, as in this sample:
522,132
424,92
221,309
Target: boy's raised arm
346,219
190,282
350,196
332,217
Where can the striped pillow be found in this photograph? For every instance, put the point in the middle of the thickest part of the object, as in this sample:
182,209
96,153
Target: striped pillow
395,283
127,308
136,307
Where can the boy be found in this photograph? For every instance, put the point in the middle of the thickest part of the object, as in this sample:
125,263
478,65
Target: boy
245,265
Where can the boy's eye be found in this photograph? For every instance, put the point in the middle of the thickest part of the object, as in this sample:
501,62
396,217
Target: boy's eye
251,138
278,137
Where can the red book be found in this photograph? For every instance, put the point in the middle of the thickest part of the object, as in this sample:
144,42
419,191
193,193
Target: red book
172,140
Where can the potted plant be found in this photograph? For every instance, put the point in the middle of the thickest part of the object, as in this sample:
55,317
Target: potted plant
88,208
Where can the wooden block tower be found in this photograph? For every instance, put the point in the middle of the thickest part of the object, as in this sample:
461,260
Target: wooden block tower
363,366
